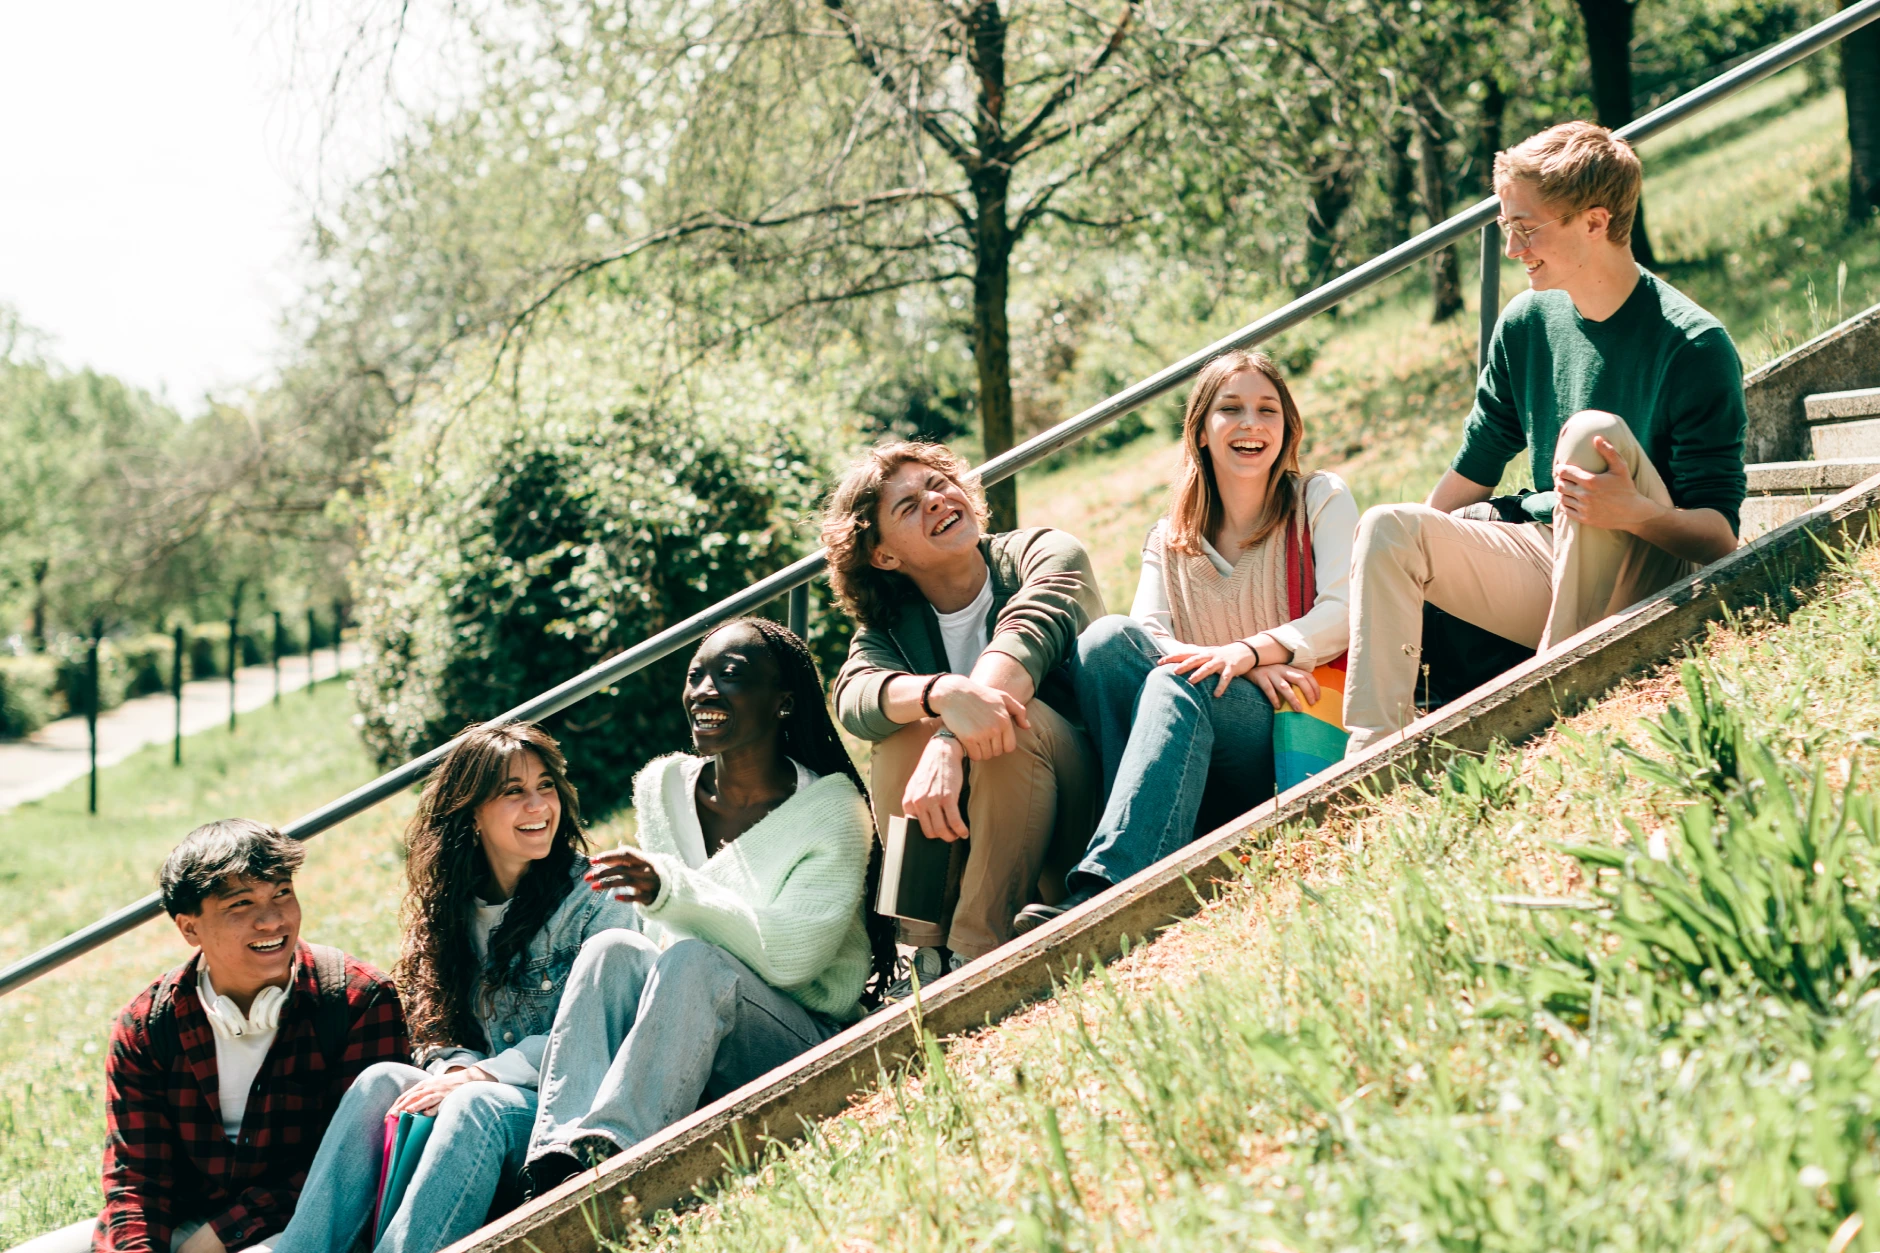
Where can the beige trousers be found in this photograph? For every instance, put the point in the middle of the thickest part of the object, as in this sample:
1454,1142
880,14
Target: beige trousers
1536,585
1029,813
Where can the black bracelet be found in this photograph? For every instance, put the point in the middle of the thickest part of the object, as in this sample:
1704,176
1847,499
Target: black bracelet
926,692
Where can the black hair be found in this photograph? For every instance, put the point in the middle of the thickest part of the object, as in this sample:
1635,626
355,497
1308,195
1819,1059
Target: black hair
230,848
809,737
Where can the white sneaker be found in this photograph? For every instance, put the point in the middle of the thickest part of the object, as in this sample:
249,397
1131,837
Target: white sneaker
930,964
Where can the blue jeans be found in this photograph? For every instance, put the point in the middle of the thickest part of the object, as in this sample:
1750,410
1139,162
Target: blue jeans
1172,752
643,1033
481,1131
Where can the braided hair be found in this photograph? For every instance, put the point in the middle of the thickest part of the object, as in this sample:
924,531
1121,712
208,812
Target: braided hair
809,737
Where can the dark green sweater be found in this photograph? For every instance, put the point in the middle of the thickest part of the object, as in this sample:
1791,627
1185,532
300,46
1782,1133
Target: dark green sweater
1660,362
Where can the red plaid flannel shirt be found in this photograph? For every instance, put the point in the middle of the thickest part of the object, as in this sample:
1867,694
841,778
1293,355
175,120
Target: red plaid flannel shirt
167,1159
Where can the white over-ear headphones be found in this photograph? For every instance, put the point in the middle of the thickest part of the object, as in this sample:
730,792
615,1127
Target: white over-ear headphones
227,1020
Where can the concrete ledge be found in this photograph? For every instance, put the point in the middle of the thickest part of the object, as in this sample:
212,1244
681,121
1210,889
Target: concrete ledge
1841,357
670,1167
1863,402
1840,441
1792,478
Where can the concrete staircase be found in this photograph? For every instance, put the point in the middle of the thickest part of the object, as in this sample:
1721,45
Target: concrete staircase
1820,402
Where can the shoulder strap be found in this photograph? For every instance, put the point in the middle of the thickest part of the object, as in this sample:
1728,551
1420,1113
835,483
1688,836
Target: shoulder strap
332,1014
1302,581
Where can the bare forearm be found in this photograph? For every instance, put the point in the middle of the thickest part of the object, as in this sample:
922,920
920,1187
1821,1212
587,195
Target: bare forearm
1003,671
1453,492
1699,535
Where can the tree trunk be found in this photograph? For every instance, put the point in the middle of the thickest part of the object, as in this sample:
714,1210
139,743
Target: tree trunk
1332,192
1433,171
40,569
992,253
1400,179
1860,77
992,339
1494,109
1609,55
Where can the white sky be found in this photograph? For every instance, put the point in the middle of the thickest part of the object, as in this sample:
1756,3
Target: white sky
154,175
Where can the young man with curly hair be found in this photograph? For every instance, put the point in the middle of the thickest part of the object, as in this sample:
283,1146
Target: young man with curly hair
956,675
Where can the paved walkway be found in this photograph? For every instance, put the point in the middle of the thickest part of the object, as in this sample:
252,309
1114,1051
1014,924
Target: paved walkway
56,754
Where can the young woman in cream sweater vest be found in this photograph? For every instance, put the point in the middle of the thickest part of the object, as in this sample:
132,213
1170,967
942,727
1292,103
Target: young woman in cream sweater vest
1179,696
750,874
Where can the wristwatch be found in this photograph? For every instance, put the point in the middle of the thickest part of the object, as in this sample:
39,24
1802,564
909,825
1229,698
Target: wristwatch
944,734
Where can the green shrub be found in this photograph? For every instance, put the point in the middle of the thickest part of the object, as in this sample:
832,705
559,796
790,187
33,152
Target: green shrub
146,663
29,695
69,653
506,559
208,650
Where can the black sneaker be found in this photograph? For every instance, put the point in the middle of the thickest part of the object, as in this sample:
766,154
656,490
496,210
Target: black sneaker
1032,917
544,1174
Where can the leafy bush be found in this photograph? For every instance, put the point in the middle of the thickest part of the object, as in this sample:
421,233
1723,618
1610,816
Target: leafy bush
504,558
146,663
68,654
29,695
208,650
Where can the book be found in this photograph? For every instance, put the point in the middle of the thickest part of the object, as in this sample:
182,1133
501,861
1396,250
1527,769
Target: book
914,868
405,1135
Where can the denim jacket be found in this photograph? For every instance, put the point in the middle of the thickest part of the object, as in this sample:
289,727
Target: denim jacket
516,1017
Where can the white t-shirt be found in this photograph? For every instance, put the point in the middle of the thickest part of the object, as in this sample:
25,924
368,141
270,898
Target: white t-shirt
241,1046
964,630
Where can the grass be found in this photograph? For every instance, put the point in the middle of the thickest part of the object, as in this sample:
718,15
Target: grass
1372,1041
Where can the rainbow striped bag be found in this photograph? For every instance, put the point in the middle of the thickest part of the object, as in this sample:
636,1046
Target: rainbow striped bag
1306,743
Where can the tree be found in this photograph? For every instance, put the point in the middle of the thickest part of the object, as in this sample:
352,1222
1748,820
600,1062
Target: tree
1860,77
863,148
1609,57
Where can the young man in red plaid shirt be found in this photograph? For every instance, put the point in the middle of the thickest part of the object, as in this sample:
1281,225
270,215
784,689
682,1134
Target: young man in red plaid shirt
223,1074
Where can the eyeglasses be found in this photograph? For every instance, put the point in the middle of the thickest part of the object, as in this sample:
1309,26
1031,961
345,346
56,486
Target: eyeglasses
1523,236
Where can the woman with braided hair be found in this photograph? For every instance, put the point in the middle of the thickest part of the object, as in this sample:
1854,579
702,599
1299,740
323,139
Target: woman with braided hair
754,859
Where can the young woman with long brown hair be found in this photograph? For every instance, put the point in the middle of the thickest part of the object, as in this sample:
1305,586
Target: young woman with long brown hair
496,911
1179,696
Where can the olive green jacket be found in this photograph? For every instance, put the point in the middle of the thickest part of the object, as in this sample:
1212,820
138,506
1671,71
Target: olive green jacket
1043,595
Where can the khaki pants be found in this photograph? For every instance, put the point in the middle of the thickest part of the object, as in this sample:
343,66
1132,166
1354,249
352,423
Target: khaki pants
1029,812
1533,584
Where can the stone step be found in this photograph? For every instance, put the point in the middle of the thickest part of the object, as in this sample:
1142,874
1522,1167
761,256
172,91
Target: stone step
1840,441
1862,402
1780,490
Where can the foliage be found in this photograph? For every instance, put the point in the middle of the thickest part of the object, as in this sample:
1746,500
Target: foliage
500,561
28,695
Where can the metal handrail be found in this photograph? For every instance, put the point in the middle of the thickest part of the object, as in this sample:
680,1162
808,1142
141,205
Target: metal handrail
799,573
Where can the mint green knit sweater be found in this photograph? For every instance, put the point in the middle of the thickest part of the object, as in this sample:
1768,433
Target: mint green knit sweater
784,898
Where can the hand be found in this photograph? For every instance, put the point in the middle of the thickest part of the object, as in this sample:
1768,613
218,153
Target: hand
932,797
1610,501
203,1240
982,716
622,871
1284,685
427,1096
1199,663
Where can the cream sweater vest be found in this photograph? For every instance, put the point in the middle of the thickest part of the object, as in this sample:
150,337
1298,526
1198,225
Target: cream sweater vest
1210,609
784,898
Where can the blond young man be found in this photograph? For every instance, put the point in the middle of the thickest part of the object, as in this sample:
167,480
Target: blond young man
956,674
1627,398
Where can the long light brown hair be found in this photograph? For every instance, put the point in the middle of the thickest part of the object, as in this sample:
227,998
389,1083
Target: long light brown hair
851,525
446,867
1195,508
